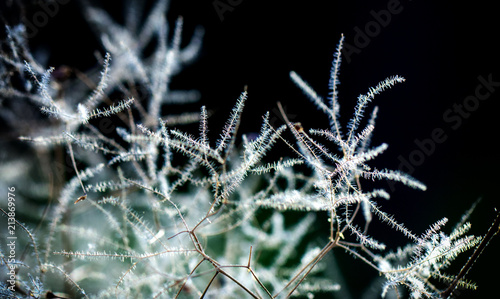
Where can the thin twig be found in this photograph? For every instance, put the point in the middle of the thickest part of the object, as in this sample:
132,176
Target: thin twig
208,285
84,196
492,231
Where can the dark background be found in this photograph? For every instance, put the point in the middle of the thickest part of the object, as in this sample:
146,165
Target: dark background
440,48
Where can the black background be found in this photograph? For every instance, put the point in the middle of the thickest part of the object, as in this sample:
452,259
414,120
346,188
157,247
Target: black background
440,48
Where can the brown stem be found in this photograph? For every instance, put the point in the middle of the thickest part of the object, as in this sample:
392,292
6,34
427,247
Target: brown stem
492,231
208,285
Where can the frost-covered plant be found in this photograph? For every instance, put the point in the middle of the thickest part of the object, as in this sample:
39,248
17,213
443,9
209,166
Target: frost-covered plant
152,211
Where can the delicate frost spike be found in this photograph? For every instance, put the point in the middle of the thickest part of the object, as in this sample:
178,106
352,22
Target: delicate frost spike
366,240
433,230
334,80
231,126
46,98
360,138
371,123
113,109
203,126
277,166
363,100
370,154
391,221
395,176
98,93
336,138
459,231
308,91
44,85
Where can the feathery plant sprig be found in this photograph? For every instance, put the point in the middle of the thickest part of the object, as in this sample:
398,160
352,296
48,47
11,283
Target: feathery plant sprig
172,214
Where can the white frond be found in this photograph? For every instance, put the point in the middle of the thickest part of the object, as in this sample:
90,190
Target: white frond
363,100
366,240
232,124
98,93
276,166
308,91
113,109
397,176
